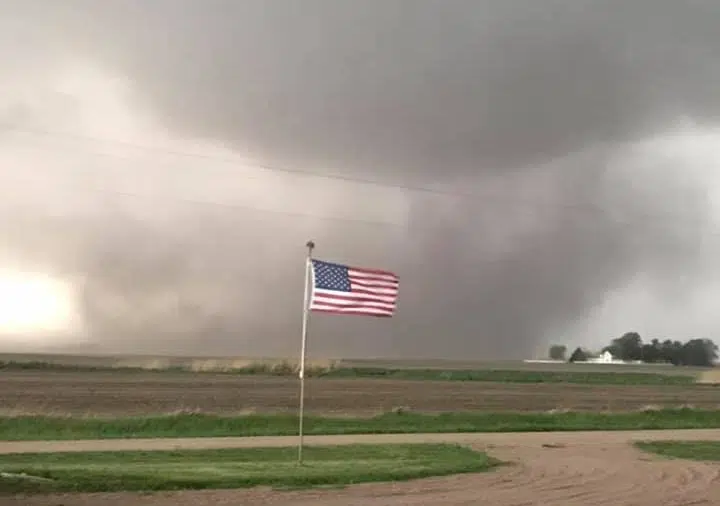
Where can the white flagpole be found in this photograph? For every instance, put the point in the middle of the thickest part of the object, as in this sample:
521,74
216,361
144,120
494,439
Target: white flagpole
303,347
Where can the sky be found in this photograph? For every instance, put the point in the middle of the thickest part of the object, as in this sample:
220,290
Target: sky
535,172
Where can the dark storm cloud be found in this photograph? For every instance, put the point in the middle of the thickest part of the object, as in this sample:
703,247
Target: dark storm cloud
423,86
539,96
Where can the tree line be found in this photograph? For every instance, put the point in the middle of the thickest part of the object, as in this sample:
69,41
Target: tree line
630,347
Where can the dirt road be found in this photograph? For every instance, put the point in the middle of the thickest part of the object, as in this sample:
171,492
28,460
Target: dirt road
559,469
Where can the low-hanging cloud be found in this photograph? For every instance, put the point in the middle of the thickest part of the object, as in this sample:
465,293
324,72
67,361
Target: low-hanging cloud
543,125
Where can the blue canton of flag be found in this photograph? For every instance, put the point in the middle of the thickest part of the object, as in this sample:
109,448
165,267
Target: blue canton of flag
331,276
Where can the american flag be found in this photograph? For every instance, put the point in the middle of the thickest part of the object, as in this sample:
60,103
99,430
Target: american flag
352,290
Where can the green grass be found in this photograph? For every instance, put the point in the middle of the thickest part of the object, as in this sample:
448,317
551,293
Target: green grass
514,376
233,468
59,367
578,376
26,428
693,450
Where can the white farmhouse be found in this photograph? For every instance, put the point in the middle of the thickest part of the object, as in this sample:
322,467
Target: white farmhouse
605,358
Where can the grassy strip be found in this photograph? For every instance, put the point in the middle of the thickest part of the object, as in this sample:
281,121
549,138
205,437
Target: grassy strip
488,375
693,450
28,428
223,469
58,367
515,376
282,368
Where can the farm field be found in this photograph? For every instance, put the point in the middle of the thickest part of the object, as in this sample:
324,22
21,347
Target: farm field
237,363
519,365
140,385
504,396
112,393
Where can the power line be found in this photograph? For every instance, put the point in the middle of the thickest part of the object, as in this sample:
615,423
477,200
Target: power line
713,233
198,202
271,168
254,164
229,160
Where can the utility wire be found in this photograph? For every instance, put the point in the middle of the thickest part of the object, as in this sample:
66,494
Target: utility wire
228,160
271,168
226,205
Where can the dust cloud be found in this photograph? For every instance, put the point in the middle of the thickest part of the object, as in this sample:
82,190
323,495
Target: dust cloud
529,158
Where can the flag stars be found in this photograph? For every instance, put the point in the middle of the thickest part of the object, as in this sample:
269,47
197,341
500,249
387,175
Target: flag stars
331,276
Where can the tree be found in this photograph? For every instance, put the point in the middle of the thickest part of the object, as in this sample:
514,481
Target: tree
578,355
652,352
557,352
699,352
695,352
627,347
671,352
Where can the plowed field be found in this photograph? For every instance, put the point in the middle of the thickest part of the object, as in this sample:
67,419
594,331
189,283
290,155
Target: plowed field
124,393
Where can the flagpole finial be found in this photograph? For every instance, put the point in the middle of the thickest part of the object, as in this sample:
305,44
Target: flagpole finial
310,245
